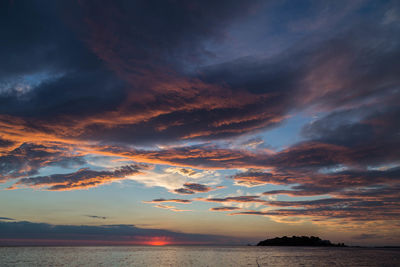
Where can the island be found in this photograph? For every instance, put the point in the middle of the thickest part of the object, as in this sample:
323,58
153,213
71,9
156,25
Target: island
312,241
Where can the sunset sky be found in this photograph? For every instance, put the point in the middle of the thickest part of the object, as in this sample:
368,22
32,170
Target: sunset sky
199,122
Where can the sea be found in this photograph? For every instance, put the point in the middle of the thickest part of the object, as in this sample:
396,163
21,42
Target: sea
198,256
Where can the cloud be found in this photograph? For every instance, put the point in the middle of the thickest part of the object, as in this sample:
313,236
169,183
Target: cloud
172,178
253,142
6,219
348,209
184,191
192,188
314,182
81,179
366,236
168,207
224,208
198,107
357,212
176,200
28,158
181,171
203,156
255,178
97,217
197,187
6,143
354,195
97,91
238,199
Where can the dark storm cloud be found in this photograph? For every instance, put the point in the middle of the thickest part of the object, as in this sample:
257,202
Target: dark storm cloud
81,179
29,233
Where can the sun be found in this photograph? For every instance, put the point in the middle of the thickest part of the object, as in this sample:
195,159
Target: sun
158,241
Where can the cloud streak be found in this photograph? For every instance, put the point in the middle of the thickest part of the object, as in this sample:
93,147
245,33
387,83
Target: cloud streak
82,179
175,200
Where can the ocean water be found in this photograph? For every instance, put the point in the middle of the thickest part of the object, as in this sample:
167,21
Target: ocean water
197,256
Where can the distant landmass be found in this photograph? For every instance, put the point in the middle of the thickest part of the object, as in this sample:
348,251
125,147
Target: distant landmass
312,241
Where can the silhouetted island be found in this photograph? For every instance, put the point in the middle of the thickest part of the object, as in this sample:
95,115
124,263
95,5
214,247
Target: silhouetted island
312,241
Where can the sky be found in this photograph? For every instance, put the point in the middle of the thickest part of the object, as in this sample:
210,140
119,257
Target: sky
199,122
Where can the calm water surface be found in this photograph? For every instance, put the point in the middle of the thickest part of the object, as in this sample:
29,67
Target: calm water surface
197,256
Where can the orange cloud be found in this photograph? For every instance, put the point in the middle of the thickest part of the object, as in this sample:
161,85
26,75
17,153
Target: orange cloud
168,207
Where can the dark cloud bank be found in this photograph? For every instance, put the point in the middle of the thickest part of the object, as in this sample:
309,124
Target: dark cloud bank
29,233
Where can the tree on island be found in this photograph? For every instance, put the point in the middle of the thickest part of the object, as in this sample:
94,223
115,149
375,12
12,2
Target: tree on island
313,241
